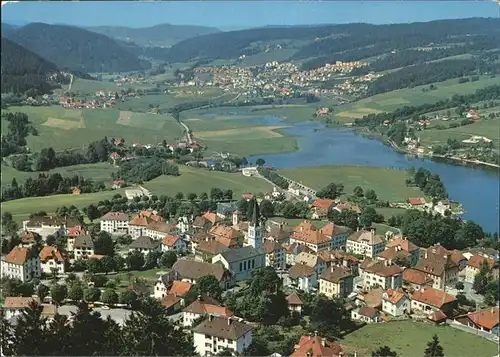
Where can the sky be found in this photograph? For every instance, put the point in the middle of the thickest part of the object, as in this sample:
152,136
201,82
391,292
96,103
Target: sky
228,15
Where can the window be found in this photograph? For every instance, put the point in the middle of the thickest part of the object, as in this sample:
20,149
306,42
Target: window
245,265
241,266
253,263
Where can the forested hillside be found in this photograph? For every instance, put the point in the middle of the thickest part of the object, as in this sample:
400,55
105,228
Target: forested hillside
158,35
335,42
23,70
76,49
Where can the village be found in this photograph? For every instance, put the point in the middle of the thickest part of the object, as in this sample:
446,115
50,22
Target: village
380,278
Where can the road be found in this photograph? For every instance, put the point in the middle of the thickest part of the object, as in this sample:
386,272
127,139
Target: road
188,133
70,82
468,292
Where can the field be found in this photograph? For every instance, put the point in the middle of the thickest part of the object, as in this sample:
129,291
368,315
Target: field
409,96
97,172
388,184
409,339
202,180
86,86
22,208
62,128
488,128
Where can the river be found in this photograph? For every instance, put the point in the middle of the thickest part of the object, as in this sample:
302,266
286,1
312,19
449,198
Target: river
477,189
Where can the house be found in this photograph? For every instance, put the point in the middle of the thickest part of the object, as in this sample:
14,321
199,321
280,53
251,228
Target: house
320,208
180,288
275,254
191,271
173,243
135,192
241,262
437,316
279,233
305,233
347,206
171,303
312,260
293,250
474,265
487,320
380,273
29,238
203,306
138,225
158,230
315,346
429,299
365,243
163,283
370,298
400,248
395,303
438,265
294,303
225,210
145,245
336,282
72,233
21,263
302,277
52,260
115,223
208,248
118,184
218,333
228,236
338,234
49,225
341,259
416,279
416,201
472,114
15,305
366,314
83,247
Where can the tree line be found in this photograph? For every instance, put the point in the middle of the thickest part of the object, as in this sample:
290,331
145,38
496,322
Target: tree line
430,184
18,129
272,176
45,185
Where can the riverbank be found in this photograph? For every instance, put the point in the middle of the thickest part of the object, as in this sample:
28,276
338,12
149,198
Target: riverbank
451,159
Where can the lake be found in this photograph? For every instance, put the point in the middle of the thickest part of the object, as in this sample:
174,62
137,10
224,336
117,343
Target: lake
477,189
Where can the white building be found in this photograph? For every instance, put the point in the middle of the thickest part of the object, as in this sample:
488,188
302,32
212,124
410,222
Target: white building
219,333
115,223
305,233
201,307
83,247
366,314
48,225
338,234
52,260
275,254
303,277
14,306
21,264
379,273
395,303
365,243
158,230
241,262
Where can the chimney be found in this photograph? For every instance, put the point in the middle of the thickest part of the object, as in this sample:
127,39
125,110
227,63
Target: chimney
323,342
199,297
228,321
331,269
355,354
315,333
210,317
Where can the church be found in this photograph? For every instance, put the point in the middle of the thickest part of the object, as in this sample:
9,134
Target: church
241,262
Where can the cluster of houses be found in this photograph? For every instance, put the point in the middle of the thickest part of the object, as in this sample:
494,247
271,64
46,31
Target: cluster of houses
385,277
102,100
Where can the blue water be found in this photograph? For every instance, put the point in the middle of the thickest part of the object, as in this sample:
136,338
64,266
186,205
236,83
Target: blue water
477,189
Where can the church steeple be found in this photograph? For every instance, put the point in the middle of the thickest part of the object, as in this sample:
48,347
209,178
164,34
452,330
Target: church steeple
255,219
254,234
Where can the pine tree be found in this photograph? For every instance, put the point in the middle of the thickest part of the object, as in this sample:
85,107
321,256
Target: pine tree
30,334
434,349
384,351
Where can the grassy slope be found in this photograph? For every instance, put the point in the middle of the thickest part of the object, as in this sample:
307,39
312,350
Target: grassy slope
202,180
409,338
98,172
488,128
388,184
409,96
190,180
93,124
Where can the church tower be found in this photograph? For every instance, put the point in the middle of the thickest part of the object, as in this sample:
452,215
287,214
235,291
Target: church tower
254,235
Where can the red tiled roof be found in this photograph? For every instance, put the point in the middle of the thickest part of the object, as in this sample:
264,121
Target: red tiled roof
49,252
315,346
304,226
476,261
404,243
487,318
294,299
312,237
322,203
180,288
170,300
18,255
77,231
416,201
415,277
367,311
433,297
211,217
170,240
393,296
437,316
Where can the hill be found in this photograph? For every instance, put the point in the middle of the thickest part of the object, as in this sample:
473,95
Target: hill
163,35
344,42
24,70
76,49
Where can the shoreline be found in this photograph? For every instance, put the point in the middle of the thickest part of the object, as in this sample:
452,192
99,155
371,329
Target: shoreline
447,159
